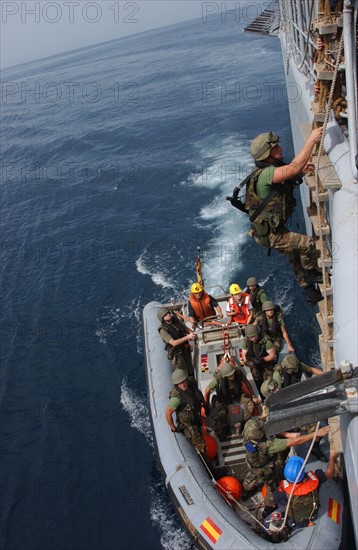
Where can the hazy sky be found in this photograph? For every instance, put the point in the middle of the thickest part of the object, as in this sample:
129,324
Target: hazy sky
35,29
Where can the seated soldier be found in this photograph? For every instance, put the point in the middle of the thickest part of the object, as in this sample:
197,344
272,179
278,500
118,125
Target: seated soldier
305,499
263,457
257,296
239,307
186,400
201,305
176,337
272,324
231,386
259,354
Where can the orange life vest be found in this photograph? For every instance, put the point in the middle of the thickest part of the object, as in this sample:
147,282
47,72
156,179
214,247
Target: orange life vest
202,307
242,311
304,488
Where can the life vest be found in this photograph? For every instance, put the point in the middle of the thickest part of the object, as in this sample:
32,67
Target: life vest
304,500
242,311
278,209
256,350
176,329
202,308
255,298
273,331
229,390
188,412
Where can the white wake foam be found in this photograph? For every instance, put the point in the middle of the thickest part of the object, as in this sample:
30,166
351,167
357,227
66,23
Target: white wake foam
137,410
223,168
158,278
164,517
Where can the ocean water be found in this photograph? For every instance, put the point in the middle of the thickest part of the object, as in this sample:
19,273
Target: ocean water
116,161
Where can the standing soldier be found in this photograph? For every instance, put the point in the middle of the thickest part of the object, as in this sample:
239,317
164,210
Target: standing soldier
258,354
176,337
273,325
186,400
257,296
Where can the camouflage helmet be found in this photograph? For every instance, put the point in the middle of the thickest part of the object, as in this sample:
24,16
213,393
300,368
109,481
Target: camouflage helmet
254,429
291,364
269,386
262,144
266,306
251,331
179,376
251,281
227,369
162,311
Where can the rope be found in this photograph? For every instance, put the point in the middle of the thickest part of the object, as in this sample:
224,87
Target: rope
307,41
298,476
316,191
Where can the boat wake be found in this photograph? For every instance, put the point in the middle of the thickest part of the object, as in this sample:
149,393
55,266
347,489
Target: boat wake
164,517
224,166
147,264
161,512
135,406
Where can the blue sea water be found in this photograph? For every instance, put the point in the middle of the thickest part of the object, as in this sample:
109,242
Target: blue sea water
116,161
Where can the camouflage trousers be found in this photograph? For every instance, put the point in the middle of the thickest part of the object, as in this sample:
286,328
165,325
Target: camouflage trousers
299,249
261,373
256,478
193,433
182,360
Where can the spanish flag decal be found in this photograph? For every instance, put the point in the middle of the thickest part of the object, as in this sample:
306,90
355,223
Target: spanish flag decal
334,510
211,530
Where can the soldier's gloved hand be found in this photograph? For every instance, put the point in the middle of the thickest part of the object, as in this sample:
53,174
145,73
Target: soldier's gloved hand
256,362
178,430
250,364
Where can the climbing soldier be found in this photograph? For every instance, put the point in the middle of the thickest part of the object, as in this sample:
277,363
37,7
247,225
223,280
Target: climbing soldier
258,354
270,203
264,458
231,386
239,308
186,400
272,324
201,305
176,337
305,499
257,296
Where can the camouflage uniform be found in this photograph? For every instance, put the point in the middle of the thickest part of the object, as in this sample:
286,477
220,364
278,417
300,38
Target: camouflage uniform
256,351
187,405
268,228
265,459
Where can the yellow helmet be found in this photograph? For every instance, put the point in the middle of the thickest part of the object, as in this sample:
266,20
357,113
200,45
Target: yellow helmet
196,287
235,289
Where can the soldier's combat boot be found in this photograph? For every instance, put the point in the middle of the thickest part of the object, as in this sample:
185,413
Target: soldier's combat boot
313,296
312,276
